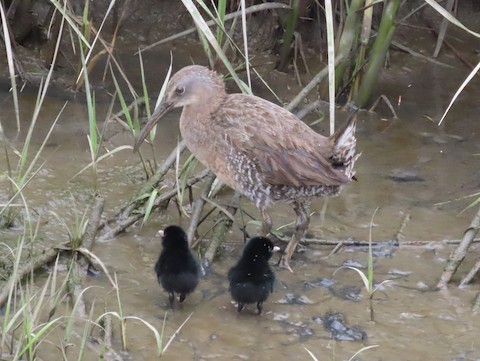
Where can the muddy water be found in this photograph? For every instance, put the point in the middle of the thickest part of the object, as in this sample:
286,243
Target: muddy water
439,164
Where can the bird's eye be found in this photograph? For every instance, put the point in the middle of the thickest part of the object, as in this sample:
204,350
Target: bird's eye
180,90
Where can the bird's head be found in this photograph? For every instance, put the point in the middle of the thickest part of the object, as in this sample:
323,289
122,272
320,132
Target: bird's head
174,237
191,85
259,248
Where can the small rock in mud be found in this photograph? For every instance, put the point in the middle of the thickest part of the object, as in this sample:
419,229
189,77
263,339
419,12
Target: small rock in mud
410,316
293,299
93,272
352,263
304,332
301,330
405,175
319,282
349,293
380,249
242,357
383,252
441,139
281,316
397,272
335,323
304,300
422,286
61,267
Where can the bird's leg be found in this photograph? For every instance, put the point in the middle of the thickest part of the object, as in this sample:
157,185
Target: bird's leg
171,298
259,307
266,224
182,297
240,307
301,226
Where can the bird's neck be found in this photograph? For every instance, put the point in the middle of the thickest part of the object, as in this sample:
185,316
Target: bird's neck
200,114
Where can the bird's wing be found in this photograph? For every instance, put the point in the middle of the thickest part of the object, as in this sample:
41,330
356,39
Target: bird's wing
283,148
295,166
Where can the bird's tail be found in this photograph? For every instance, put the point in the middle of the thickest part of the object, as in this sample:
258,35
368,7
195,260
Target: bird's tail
344,144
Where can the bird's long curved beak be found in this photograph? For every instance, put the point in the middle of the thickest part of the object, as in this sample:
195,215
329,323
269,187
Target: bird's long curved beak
162,109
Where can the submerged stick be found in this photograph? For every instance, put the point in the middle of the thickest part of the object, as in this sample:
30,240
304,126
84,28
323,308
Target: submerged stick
136,201
123,223
222,226
80,267
92,227
322,74
458,255
362,242
470,275
47,256
476,305
198,208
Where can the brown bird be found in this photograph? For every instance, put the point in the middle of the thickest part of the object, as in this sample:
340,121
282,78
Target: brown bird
256,147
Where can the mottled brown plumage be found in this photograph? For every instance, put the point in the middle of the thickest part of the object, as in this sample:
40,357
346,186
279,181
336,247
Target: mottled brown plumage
256,147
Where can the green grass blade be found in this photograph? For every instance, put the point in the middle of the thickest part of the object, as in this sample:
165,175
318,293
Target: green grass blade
170,340
102,157
10,62
450,17
86,333
145,89
331,63
123,103
370,253
314,358
160,96
360,351
158,338
66,15
149,206
202,25
459,91
35,337
245,44
360,273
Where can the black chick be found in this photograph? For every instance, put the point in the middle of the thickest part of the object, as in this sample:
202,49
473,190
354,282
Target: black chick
177,270
251,279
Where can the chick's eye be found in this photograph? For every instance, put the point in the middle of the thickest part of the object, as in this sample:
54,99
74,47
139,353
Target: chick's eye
180,90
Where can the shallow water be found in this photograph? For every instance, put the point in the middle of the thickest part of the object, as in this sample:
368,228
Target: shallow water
410,324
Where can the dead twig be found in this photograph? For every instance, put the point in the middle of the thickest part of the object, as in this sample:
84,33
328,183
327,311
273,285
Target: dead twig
47,256
80,267
120,223
476,305
94,221
138,200
400,236
469,277
222,226
198,208
361,242
230,16
310,86
458,255
387,102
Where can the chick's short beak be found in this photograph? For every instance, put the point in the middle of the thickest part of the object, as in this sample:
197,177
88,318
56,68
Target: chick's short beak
162,109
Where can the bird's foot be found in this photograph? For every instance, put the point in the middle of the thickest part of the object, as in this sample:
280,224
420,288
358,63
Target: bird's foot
240,307
283,263
171,299
259,307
